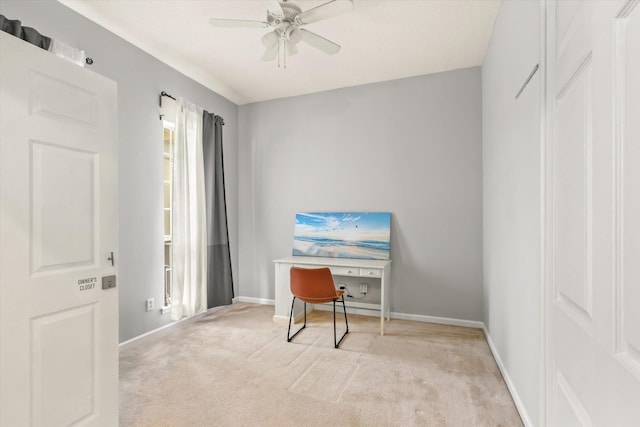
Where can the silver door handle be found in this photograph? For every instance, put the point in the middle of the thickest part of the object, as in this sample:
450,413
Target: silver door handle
112,259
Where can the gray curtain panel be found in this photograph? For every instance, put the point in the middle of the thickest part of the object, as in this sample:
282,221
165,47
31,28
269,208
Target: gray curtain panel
28,34
219,275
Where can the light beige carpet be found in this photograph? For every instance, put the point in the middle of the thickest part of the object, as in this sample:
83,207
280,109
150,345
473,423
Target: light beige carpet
234,367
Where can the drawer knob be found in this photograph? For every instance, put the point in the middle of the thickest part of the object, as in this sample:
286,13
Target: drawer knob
349,271
371,273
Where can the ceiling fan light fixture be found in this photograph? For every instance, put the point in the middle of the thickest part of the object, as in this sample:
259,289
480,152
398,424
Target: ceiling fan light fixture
291,49
295,36
270,39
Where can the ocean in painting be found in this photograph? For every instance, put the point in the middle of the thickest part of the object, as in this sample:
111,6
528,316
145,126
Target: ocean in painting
364,235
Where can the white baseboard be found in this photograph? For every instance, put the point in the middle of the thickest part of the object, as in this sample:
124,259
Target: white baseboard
282,319
441,320
524,415
255,300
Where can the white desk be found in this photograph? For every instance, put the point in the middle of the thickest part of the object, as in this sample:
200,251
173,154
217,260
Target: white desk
339,267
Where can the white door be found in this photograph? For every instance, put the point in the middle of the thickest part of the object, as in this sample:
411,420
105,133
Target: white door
58,226
593,213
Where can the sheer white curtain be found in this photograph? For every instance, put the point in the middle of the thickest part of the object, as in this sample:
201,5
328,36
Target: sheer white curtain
189,233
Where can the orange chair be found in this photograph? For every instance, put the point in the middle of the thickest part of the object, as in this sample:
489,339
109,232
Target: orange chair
315,286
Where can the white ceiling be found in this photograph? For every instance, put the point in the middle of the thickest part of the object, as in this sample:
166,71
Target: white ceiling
381,40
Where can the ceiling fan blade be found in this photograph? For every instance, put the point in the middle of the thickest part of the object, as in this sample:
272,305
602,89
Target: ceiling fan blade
319,42
270,54
270,39
273,6
237,23
326,10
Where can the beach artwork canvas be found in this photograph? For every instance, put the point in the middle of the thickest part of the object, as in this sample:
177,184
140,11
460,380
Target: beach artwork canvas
364,235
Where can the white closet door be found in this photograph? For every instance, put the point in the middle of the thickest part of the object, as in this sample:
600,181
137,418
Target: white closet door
593,213
58,226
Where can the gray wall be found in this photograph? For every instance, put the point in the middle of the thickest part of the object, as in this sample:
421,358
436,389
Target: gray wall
140,79
512,198
411,147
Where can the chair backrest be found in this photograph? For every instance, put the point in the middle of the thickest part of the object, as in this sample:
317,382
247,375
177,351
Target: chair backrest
312,284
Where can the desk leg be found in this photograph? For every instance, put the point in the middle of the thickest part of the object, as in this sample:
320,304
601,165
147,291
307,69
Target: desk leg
382,319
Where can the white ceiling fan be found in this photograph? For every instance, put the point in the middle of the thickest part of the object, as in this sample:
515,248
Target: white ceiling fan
286,18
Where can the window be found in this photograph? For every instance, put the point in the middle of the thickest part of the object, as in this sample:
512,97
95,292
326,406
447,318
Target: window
167,183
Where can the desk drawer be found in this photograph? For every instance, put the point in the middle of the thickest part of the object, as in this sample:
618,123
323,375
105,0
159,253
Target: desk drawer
345,271
370,272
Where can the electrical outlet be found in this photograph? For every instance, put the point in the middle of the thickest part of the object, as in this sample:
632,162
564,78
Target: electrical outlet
150,304
342,286
363,288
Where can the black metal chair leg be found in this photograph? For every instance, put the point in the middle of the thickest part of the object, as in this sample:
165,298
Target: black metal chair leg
337,343
344,309
304,325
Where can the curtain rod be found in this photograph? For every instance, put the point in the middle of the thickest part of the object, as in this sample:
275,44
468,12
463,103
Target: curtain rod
163,93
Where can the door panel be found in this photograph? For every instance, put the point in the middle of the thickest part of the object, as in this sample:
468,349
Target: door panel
63,203
569,410
574,178
55,97
59,398
58,226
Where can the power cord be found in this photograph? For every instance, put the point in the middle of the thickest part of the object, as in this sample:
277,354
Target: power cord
348,292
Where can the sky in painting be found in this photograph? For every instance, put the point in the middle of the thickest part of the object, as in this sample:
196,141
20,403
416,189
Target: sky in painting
374,226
